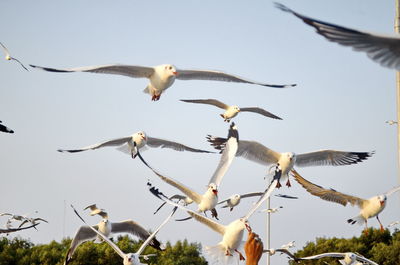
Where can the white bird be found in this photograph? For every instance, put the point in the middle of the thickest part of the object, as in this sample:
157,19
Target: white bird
186,201
160,77
393,223
383,49
369,207
348,258
209,199
233,110
391,122
130,258
9,57
232,233
273,251
32,221
86,233
261,154
132,143
4,128
272,210
235,199
95,210
288,245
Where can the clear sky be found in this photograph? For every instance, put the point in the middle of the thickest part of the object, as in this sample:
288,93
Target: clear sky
341,102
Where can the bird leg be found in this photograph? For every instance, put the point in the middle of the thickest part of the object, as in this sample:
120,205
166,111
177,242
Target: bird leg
214,213
366,228
288,183
382,229
228,253
278,185
240,255
155,97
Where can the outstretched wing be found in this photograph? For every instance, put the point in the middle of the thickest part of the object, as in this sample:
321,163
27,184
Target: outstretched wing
260,111
213,102
114,142
390,192
83,234
331,158
156,142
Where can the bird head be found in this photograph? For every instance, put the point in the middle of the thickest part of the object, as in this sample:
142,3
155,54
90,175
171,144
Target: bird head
129,259
382,199
213,188
170,70
236,108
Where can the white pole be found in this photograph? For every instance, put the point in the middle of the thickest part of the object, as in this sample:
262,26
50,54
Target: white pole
397,30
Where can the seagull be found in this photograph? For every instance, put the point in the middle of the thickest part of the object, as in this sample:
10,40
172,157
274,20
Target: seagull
95,210
32,221
132,143
4,128
369,207
233,110
232,233
272,251
161,77
9,58
391,122
11,230
348,258
272,210
186,201
288,245
209,199
106,228
234,200
261,154
130,258
383,49
393,223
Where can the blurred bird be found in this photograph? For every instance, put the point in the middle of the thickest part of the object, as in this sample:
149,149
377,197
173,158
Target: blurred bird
160,77
391,122
271,210
95,210
132,143
383,49
235,199
32,221
9,58
4,128
369,207
393,223
273,251
288,245
231,111
348,258
11,230
186,201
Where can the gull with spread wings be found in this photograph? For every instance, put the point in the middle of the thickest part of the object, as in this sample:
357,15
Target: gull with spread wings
348,258
369,207
235,199
160,77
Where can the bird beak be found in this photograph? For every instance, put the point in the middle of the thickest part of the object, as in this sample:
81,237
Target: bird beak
248,228
175,73
215,192
382,202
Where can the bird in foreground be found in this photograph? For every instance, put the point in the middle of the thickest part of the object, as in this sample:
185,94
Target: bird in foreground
369,207
232,234
271,210
348,258
233,110
129,258
261,154
9,57
160,77
209,199
4,128
383,49
11,230
106,228
235,199
131,144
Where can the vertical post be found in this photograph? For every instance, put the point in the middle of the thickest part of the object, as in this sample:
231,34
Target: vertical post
268,229
397,30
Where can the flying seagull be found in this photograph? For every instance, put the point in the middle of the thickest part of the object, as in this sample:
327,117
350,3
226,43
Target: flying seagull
94,210
130,258
273,251
232,233
369,207
160,77
132,143
4,128
233,110
235,199
348,258
9,57
106,228
383,49
261,154
186,201
32,221
209,199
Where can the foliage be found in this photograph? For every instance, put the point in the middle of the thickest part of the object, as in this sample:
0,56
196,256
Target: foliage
381,247
19,251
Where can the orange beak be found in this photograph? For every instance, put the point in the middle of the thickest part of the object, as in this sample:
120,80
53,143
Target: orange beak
215,192
382,202
175,73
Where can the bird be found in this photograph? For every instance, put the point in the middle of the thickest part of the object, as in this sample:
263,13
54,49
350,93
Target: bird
186,201
393,223
86,233
273,251
347,258
139,140
272,210
209,199
261,154
235,199
4,128
391,122
368,207
161,77
288,245
11,230
130,258
232,233
32,221
233,110
98,211
9,57
383,49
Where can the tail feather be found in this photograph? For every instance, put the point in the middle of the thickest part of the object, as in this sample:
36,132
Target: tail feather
218,255
356,220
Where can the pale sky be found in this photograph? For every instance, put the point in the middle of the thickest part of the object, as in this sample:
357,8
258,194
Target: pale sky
341,102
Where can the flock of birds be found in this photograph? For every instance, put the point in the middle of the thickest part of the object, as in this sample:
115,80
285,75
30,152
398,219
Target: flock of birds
280,166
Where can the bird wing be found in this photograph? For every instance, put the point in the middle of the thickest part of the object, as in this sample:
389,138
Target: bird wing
9,230
365,260
83,234
156,142
390,192
116,69
260,111
286,196
331,158
213,102
219,76
229,153
327,194
18,61
92,230
130,226
287,252
2,214
5,129
324,255
5,49
91,207
251,194
40,219
114,142
151,237
384,50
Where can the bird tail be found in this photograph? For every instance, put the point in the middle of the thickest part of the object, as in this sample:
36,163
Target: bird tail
218,255
356,220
